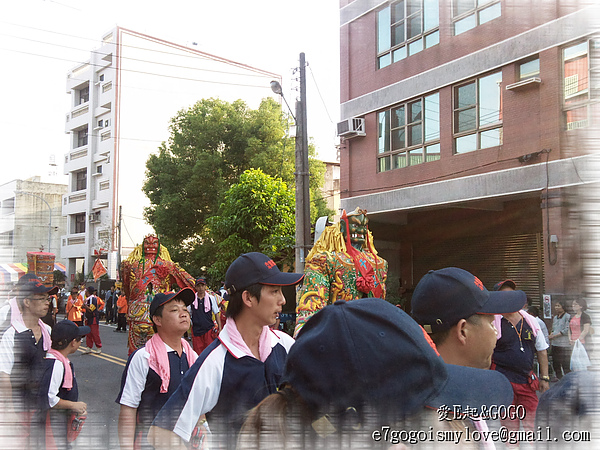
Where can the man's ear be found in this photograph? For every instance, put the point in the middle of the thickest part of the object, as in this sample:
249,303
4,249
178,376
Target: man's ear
461,331
247,299
157,320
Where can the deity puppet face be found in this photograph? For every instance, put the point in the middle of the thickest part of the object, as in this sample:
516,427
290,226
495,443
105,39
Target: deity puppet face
150,246
358,226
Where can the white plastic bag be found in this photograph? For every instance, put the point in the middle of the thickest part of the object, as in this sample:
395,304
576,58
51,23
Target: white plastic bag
579,357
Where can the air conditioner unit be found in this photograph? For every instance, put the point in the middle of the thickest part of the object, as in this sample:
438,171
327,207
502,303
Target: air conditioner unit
350,128
95,217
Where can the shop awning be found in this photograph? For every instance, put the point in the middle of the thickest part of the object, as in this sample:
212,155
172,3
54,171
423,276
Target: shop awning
61,267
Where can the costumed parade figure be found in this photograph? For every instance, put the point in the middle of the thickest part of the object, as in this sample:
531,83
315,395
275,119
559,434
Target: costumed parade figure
147,271
342,265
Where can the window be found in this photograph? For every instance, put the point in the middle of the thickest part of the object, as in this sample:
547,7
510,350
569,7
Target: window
406,27
6,239
576,86
409,133
478,114
8,206
467,14
529,69
80,180
81,137
79,223
101,77
84,95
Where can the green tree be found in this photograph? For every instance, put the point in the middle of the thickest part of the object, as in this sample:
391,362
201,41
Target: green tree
257,214
210,145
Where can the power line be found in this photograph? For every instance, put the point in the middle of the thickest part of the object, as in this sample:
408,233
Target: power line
198,54
142,72
319,92
143,60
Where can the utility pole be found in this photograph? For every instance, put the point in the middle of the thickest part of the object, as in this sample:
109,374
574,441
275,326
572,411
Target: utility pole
119,245
302,175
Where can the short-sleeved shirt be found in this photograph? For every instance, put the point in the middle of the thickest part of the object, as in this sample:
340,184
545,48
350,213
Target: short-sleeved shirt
140,385
512,356
224,383
22,359
202,322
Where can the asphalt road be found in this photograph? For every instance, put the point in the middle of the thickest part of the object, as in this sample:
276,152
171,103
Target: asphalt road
99,380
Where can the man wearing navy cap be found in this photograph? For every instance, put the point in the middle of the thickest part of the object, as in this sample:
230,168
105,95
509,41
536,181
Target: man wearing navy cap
154,372
519,339
202,309
458,312
23,347
241,367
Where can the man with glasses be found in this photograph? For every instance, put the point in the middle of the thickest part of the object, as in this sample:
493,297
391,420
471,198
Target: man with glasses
23,348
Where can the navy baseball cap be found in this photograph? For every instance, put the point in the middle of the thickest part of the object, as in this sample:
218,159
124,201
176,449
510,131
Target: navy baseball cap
186,295
255,267
65,331
371,356
31,284
201,280
510,283
445,296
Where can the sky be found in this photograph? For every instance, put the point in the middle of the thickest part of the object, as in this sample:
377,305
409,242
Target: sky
41,40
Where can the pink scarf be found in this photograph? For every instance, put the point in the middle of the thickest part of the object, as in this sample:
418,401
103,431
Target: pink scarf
68,379
528,318
159,360
207,303
264,343
16,320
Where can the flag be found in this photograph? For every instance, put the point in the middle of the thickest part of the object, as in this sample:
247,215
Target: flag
98,269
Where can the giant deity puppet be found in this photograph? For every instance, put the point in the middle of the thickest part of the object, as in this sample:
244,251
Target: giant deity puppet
342,265
148,270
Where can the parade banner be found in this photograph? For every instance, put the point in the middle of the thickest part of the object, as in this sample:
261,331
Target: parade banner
98,269
42,265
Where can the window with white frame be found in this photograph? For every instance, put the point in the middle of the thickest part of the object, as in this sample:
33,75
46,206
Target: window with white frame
406,27
78,223
578,69
467,14
80,137
409,133
80,180
478,113
529,69
84,95
8,206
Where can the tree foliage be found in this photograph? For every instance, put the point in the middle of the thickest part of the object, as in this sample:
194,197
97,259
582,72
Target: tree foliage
257,215
211,145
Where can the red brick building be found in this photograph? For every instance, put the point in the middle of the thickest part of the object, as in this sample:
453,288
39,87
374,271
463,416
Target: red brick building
472,148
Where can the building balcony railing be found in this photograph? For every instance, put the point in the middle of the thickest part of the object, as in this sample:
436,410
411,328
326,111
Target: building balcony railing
79,197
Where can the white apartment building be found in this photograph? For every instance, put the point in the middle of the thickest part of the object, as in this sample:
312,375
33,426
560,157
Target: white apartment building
122,100
30,219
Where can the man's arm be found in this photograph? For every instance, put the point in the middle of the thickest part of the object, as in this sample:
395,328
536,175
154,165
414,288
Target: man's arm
127,419
161,438
543,362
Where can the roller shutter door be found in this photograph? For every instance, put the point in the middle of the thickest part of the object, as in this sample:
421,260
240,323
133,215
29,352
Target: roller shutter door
491,258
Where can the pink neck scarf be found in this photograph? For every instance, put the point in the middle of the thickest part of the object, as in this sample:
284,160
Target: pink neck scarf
68,379
528,318
207,304
264,343
159,359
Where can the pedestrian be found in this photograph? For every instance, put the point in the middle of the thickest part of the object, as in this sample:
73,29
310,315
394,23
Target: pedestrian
92,307
74,307
358,368
22,349
122,314
109,300
580,324
238,369
50,317
202,310
559,338
59,396
535,312
519,340
154,372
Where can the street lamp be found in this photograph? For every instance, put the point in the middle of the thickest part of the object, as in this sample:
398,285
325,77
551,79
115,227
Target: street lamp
302,213
49,215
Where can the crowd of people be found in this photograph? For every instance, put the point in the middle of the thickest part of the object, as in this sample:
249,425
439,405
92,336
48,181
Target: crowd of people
217,373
